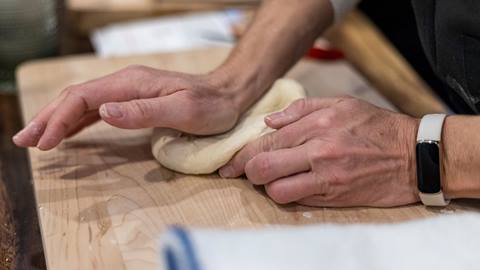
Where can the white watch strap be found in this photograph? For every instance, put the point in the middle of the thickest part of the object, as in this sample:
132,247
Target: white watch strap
433,199
430,128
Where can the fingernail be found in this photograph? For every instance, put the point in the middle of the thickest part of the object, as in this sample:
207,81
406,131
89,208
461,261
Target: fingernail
30,132
15,139
275,117
111,111
31,125
17,136
47,143
226,171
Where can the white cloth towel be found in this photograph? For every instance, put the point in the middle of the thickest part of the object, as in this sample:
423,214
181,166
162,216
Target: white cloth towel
167,34
446,242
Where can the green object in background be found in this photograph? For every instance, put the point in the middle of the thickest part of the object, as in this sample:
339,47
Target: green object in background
28,30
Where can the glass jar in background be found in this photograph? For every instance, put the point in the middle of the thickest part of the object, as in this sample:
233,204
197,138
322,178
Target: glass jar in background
28,30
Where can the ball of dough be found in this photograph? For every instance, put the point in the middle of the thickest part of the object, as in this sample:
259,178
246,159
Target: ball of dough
192,154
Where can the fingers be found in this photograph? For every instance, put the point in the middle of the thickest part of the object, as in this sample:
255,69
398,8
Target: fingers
287,137
139,113
74,107
170,111
63,119
32,132
297,110
56,120
269,166
296,187
29,135
323,201
87,120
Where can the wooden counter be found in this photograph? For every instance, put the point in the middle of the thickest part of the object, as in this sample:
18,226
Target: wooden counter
103,200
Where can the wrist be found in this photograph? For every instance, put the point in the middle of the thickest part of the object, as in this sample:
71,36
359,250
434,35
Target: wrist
456,173
239,85
449,186
410,131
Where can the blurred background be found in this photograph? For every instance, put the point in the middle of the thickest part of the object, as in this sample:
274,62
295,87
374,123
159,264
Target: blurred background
28,30
31,29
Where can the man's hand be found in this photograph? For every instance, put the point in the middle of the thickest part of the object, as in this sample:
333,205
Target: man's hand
135,97
333,152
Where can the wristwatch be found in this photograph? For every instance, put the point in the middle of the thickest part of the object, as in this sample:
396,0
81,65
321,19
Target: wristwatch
428,160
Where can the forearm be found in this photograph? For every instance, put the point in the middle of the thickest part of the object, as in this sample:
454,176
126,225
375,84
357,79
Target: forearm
280,34
461,156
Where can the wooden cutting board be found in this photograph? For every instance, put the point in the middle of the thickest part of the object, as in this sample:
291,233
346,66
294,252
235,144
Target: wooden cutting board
103,201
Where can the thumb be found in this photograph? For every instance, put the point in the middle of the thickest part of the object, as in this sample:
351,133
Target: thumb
138,113
283,138
298,109
236,166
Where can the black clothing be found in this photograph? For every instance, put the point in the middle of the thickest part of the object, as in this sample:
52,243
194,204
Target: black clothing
450,35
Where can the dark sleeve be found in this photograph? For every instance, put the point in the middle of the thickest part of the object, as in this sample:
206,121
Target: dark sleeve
450,35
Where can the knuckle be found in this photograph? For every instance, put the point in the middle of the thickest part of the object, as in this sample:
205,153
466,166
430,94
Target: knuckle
353,103
298,105
240,161
313,151
142,109
332,150
75,93
134,69
71,89
286,137
325,120
277,193
267,142
321,151
249,152
62,126
258,169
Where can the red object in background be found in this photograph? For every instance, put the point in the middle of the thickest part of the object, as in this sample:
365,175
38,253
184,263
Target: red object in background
325,54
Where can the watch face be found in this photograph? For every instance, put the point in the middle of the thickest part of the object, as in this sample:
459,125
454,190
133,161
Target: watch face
428,169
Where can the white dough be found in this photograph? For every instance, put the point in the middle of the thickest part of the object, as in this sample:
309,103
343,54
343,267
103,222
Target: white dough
205,154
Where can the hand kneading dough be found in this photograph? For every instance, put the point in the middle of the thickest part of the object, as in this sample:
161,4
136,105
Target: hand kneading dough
205,154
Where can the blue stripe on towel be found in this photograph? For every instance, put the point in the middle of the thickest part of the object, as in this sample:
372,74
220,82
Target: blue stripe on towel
172,260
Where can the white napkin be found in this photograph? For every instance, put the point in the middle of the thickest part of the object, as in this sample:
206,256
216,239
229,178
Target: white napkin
446,242
167,34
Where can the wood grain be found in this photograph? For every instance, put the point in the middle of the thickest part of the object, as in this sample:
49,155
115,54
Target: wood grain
103,200
371,53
